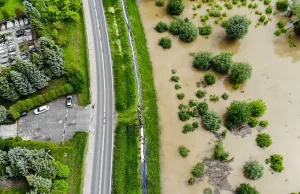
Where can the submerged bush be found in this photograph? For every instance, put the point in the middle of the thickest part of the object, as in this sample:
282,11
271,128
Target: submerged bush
161,27
211,121
225,96
175,78
200,94
253,122
175,25
210,78
187,128
184,115
183,151
203,60
198,170
238,112
246,189
219,152
191,181
264,123
175,7
240,72
188,31
160,3
276,161
165,42
237,27
205,30
282,5
222,62
202,108
180,96
263,140
258,108
253,170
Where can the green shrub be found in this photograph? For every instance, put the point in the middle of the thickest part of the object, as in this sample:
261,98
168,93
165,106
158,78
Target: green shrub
205,30
214,98
2,2
165,42
253,170
283,30
258,108
253,122
5,14
225,96
175,25
210,78
193,112
214,12
188,31
263,140
211,121
264,123
222,62
229,5
180,96
60,186
187,128
240,72
203,60
175,78
3,113
267,2
262,18
160,3
202,108
183,151
282,5
161,27
246,189
62,170
224,134
192,103
207,191
175,7
191,181
184,115
200,93
195,125
219,152
281,24
224,23
177,86
238,113
276,161
269,9
237,27
76,78
277,32
198,170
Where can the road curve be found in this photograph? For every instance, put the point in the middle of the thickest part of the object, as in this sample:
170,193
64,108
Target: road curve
100,152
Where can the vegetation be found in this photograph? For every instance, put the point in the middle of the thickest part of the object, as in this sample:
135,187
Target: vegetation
161,27
160,3
188,31
184,115
165,42
175,78
198,170
214,98
246,189
3,113
200,93
202,108
175,25
253,170
180,96
253,122
220,153
191,181
269,9
205,30
282,5
258,108
175,7
264,123
177,86
187,128
207,191
225,96
263,140
222,62
203,60
240,72
276,161
211,121
9,7
237,27
210,78
238,112
183,151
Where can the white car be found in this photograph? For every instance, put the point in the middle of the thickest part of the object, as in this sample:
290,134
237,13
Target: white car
41,109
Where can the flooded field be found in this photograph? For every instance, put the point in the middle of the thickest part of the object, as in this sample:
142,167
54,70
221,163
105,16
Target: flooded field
275,79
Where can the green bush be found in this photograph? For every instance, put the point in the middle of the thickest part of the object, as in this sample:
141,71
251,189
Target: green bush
219,152
180,96
222,62
263,140
202,108
165,42
161,27
267,2
224,134
225,96
207,191
253,122
188,31
76,78
60,186
238,112
175,7
175,25
160,3
5,14
253,170
237,27
198,170
177,86
2,2
269,9
246,189
262,18
191,181
240,72
282,5
183,151
214,98
258,108
277,32
203,60
210,78
264,123
195,125
200,93
205,30
211,121
276,161
175,78
187,128
62,170
229,5
281,24
3,113
184,115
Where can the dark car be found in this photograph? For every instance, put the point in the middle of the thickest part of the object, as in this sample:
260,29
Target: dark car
19,33
23,114
69,101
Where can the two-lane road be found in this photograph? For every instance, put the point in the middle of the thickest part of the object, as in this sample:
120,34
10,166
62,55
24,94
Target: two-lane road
100,153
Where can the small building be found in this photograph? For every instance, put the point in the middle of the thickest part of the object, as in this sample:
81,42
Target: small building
9,25
3,27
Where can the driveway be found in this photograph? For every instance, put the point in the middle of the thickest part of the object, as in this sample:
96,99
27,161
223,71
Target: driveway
58,124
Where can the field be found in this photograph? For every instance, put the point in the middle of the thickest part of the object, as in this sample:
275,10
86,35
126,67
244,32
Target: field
275,65
10,6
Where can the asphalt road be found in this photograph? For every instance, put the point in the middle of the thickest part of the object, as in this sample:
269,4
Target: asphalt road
102,92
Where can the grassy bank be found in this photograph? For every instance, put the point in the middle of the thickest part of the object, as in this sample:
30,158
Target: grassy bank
150,110
126,166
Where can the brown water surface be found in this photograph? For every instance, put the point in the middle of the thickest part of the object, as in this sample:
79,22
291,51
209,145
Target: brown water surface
276,69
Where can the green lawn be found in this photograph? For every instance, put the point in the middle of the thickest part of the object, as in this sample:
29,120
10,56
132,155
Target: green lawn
16,190
10,6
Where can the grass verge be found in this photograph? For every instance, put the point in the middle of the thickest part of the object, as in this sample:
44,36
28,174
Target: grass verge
150,110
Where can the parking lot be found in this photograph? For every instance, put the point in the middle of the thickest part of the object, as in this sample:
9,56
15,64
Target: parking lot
58,124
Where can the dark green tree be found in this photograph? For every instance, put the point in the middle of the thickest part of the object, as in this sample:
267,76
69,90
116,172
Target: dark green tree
7,90
175,7
240,72
3,115
21,83
237,27
238,112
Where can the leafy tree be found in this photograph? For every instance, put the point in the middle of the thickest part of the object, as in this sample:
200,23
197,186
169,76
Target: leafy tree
34,75
198,170
240,72
19,12
220,153
7,90
188,31
31,10
165,42
175,25
276,161
258,108
237,27
246,189
39,183
175,7
211,121
282,5
44,167
203,60
263,140
4,71
210,78
238,112
76,78
3,115
161,27
253,122
202,108
62,170
183,151
205,30
2,2
21,83
222,62
5,14
253,170
60,186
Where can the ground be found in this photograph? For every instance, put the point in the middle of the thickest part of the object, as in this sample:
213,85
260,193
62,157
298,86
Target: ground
275,74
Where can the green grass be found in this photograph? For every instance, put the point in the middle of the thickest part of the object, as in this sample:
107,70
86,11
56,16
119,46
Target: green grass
150,110
76,149
16,190
10,6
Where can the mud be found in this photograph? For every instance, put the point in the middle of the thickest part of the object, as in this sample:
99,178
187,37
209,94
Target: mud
275,79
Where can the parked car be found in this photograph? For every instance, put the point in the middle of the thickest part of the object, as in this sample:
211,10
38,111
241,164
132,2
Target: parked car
69,101
19,33
41,109
23,114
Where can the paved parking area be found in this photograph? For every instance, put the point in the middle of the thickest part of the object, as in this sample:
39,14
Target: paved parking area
58,124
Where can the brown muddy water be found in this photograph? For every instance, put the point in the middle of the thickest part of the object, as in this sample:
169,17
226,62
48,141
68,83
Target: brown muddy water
275,79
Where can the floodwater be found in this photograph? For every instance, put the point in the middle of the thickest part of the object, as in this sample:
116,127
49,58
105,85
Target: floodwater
275,79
